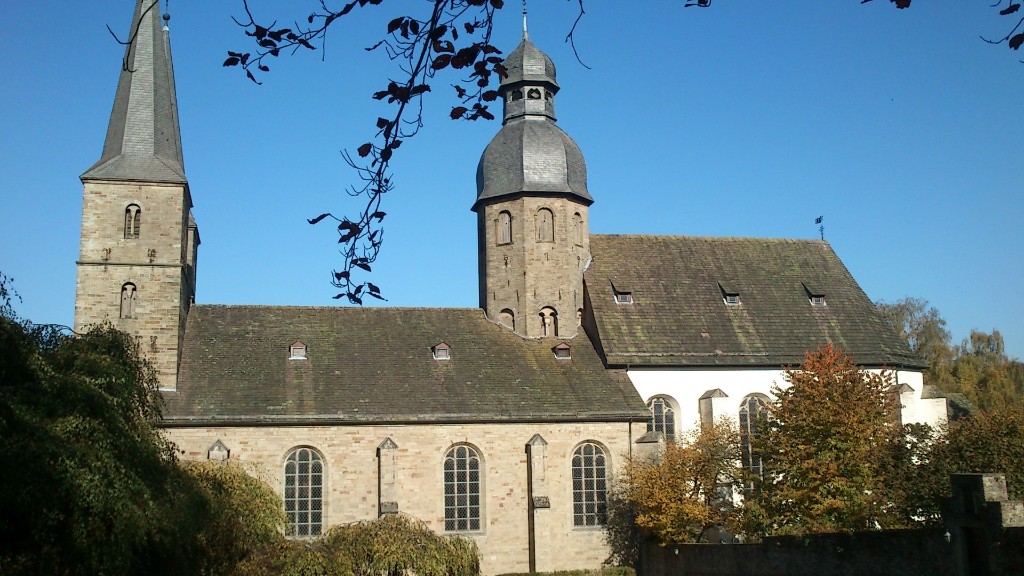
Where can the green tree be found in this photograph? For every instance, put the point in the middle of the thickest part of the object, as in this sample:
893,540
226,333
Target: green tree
923,330
242,515
823,442
90,484
392,545
679,494
988,441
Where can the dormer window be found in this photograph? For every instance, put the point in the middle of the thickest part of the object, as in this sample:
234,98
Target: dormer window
730,295
442,351
562,351
297,351
815,295
623,293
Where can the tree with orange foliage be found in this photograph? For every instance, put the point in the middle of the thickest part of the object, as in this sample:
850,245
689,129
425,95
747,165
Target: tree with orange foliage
825,442
677,495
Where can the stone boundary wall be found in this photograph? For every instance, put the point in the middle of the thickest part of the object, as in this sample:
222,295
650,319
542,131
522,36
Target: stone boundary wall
883,553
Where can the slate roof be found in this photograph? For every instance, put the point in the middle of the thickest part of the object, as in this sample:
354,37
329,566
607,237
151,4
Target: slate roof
679,317
533,156
143,142
375,365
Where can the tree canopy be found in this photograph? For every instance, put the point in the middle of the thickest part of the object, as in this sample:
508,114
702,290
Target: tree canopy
91,486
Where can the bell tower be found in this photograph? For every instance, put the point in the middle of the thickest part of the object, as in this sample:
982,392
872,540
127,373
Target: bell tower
137,261
531,208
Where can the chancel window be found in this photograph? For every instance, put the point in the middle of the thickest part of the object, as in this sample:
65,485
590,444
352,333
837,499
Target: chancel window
132,221
504,229
663,417
545,226
303,493
129,298
589,485
462,489
751,409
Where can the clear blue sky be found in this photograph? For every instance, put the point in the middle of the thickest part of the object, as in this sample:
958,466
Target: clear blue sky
901,127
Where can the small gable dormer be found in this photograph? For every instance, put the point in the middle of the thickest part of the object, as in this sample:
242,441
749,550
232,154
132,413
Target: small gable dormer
815,295
623,294
297,351
441,351
562,351
730,293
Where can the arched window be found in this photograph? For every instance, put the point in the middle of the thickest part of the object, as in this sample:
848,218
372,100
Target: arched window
304,492
750,409
548,321
132,221
663,417
504,228
516,95
589,485
577,229
462,489
533,94
129,297
507,318
545,226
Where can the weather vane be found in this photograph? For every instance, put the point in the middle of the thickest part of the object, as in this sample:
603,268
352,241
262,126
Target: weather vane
821,227
525,34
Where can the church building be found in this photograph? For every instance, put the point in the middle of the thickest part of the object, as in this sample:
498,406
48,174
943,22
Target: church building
506,423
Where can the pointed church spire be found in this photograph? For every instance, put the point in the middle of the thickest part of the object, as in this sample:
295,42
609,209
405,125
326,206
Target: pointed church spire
143,138
526,34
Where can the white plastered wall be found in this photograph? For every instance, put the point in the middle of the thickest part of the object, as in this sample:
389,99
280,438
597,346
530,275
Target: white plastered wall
686,386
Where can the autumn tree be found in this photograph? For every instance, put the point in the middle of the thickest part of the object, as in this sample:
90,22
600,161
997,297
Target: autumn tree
676,496
822,441
978,368
988,441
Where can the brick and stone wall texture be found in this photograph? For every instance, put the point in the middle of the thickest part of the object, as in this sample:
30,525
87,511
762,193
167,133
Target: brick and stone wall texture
527,275
154,262
351,484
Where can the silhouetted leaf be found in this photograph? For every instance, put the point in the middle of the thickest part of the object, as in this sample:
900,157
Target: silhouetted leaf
395,24
414,27
318,218
1016,41
232,61
458,111
489,96
497,4
365,149
264,68
378,215
385,154
441,61
362,265
373,288
377,296
1009,9
382,122
355,299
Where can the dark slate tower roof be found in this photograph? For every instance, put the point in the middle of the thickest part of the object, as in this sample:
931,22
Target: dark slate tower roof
530,154
143,139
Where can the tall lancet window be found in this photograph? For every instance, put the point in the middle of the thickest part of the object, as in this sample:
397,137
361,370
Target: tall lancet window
545,225
504,230
132,221
128,300
577,229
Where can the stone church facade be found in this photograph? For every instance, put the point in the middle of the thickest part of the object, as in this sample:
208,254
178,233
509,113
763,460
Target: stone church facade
505,423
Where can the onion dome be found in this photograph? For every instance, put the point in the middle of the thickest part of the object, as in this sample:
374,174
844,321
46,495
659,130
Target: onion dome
530,154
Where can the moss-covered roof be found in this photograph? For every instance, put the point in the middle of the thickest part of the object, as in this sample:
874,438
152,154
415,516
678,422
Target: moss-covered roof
376,365
679,315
